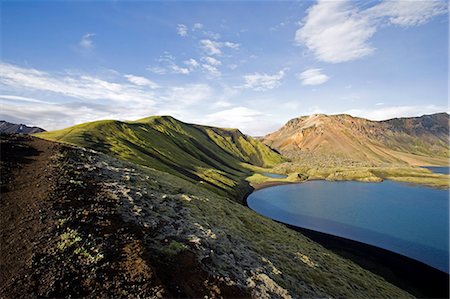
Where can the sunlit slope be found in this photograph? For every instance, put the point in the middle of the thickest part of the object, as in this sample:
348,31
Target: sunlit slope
343,139
211,156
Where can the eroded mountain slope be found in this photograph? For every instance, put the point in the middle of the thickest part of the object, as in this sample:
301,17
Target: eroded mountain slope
345,140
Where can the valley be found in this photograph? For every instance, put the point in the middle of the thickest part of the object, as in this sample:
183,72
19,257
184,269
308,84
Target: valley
177,193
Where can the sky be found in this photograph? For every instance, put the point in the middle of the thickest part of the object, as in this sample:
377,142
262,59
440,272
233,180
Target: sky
251,65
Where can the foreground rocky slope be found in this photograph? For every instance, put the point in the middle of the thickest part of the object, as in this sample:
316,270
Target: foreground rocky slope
80,223
343,140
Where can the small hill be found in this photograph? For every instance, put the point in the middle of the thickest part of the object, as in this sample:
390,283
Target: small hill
10,128
212,157
344,139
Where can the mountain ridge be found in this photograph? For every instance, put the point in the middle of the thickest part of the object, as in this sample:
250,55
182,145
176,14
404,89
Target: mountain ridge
12,128
210,156
413,140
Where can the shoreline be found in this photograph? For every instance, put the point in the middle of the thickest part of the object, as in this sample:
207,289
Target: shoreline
415,277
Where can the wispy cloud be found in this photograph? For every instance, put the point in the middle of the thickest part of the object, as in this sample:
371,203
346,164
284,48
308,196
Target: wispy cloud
141,81
182,30
86,41
9,97
75,97
237,117
191,63
313,77
76,86
408,13
335,32
389,112
211,61
338,31
188,95
263,81
167,65
215,47
197,26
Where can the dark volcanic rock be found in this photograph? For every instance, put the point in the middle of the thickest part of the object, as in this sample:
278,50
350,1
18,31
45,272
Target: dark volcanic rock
10,128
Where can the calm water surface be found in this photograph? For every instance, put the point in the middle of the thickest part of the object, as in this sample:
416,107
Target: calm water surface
438,169
274,175
409,220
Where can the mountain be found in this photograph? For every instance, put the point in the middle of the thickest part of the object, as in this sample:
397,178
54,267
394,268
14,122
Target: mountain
213,157
344,139
10,128
79,223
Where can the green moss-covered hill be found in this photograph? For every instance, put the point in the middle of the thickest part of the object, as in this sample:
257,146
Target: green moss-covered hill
213,157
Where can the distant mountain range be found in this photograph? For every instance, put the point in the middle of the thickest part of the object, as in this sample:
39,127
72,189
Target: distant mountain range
10,128
346,139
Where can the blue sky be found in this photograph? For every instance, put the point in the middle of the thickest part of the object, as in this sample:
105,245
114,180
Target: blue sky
252,65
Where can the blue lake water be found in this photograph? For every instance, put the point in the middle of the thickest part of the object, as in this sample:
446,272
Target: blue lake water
438,169
410,220
274,175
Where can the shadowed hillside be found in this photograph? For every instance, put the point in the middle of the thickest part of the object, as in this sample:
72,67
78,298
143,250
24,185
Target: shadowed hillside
213,157
346,140
10,128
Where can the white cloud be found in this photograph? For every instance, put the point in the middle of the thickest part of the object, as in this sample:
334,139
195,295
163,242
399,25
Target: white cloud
233,66
231,45
197,26
86,41
313,77
179,70
157,70
210,47
237,117
72,85
189,94
191,63
337,31
214,47
408,13
52,116
15,98
210,34
182,30
141,81
168,65
223,104
211,61
262,81
212,70
384,113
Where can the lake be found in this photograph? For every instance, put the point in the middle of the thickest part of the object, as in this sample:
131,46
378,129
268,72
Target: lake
274,175
438,169
409,220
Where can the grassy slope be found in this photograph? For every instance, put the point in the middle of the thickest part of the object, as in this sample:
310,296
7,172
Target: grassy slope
238,244
213,157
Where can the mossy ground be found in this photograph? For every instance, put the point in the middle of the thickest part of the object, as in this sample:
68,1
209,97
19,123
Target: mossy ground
298,173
